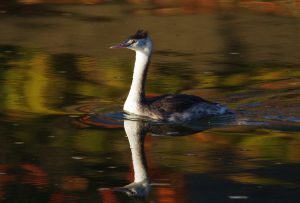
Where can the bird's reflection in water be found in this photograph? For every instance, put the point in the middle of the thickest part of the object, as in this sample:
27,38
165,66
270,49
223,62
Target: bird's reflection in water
140,187
136,131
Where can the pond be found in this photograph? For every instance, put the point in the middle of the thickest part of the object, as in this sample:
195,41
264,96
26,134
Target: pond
63,136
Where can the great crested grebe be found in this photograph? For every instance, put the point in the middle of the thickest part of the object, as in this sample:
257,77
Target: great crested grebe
170,107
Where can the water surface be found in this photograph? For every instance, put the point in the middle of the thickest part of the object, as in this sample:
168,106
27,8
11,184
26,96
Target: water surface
63,140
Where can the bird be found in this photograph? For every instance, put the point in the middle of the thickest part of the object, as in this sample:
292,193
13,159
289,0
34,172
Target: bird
177,108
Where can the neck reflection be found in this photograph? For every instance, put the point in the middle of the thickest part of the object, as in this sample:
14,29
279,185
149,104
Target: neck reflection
136,132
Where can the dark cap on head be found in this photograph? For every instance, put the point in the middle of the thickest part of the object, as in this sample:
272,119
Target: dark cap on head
140,34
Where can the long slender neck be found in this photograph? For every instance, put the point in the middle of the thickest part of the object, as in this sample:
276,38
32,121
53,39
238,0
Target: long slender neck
135,135
136,94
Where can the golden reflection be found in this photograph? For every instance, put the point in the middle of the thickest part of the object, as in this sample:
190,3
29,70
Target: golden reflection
27,85
36,85
273,145
248,178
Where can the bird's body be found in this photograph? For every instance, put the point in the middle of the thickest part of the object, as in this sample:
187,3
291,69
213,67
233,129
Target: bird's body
181,108
172,107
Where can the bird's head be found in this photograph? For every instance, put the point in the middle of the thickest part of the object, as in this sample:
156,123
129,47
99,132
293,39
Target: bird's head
140,41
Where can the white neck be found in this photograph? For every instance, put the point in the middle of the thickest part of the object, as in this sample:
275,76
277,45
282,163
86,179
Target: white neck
135,135
136,94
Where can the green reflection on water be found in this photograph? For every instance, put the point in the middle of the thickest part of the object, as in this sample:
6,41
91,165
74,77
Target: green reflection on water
37,82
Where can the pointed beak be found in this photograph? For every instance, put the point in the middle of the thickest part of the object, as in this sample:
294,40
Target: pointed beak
119,46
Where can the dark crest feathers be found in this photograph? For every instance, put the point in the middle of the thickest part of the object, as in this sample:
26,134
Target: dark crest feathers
140,34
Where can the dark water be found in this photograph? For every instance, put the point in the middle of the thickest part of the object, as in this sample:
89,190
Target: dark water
62,139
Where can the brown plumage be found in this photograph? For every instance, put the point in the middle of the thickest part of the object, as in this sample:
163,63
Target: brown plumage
175,102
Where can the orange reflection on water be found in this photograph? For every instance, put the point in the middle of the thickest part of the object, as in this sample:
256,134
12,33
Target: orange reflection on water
108,196
74,183
210,137
35,176
61,1
183,7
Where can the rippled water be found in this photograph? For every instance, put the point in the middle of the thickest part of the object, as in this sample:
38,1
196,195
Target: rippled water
63,136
